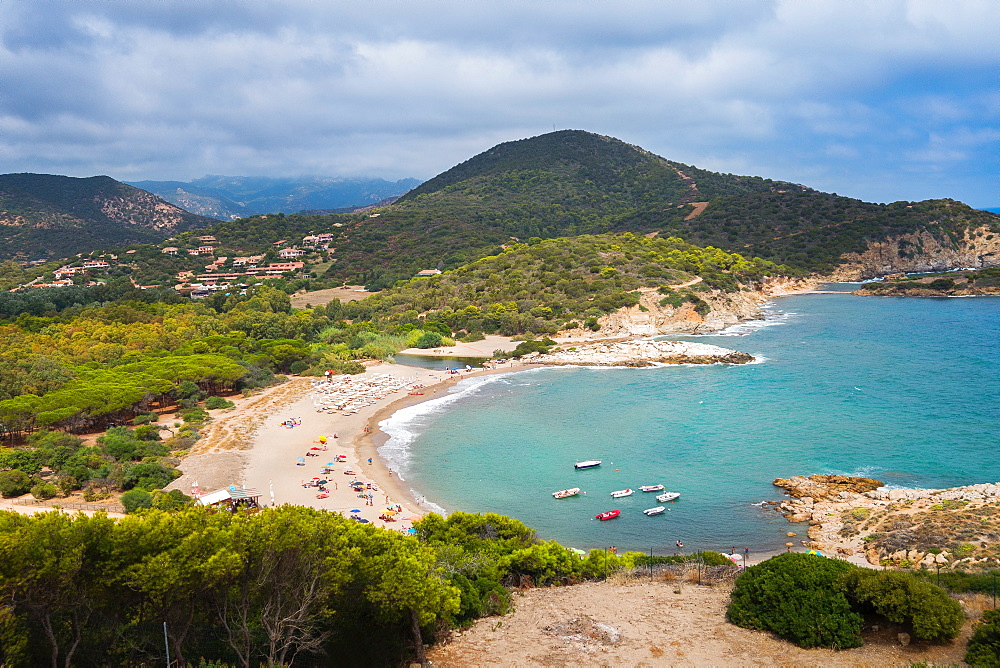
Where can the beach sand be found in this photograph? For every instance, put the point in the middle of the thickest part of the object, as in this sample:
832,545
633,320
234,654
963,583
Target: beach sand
271,457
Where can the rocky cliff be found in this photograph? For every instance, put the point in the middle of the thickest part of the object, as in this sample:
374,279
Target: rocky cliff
922,251
724,309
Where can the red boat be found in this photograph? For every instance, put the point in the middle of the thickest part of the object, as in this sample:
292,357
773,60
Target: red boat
610,515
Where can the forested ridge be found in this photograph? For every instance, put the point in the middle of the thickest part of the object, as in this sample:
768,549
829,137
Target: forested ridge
48,216
545,286
571,182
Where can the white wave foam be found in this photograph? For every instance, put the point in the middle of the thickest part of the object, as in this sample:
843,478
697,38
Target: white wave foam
405,425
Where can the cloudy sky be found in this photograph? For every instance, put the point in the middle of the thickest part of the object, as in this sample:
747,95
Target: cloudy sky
882,100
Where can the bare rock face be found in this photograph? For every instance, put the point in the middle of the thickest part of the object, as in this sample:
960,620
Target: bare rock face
826,487
978,248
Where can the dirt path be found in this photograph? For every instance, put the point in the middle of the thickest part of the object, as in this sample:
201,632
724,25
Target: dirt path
699,207
658,623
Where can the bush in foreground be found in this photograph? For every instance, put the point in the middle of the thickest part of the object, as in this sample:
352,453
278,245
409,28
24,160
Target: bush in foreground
798,597
984,646
904,599
818,602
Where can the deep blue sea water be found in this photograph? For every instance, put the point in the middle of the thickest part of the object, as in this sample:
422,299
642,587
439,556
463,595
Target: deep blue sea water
906,390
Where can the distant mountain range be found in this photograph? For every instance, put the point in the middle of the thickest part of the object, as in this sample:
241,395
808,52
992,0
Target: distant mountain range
231,197
50,216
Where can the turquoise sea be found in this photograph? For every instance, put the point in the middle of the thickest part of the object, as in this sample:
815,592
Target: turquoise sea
906,390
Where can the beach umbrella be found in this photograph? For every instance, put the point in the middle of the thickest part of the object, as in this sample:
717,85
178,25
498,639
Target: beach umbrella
356,510
411,530
578,551
816,552
412,519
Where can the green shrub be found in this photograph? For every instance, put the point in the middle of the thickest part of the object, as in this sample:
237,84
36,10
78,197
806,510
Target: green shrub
429,340
984,646
296,367
220,402
135,499
145,418
44,490
798,597
906,599
147,432
14,483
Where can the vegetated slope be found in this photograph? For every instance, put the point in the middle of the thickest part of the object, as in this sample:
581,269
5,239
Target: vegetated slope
547,286
558,184
231,197
43,215
574,182
813,230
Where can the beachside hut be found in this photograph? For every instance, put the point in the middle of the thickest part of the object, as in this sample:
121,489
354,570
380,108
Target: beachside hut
232,499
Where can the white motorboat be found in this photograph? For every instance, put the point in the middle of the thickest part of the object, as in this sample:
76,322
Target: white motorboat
564,493
668,496
654,511
651,488
589,464
622,492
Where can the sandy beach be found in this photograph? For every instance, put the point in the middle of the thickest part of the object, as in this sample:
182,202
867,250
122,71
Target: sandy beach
352,436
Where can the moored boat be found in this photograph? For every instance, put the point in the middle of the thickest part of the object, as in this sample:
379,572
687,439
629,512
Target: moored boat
589,464
654,511
668,496
609,515
564,493
622,493
651,488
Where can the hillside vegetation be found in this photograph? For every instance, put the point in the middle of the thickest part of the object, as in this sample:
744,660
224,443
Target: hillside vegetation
572,182
44,216
548,285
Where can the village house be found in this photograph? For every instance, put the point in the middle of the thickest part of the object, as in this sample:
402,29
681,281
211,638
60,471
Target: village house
96,264
206,250
290,253
208,239
170,250
429,272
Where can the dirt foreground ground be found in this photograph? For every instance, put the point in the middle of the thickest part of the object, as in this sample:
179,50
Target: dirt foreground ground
659,623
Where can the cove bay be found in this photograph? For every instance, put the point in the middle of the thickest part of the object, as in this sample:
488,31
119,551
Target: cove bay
900,389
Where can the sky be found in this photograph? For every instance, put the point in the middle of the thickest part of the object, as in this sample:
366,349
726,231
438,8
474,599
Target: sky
883,101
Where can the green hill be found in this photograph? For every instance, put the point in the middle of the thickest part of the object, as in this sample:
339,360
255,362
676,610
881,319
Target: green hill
572,182
45,216
546,286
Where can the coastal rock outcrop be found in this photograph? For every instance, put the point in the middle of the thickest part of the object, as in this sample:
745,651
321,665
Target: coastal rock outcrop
956,528
919,252
641,354
822,487
724,309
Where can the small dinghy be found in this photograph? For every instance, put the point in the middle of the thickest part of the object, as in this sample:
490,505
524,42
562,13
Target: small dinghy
609,515
564,493
589,464
651,488
654,511
669,496
622,493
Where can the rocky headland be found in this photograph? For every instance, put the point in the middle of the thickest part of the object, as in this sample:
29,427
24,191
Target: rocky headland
956,528
639,354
